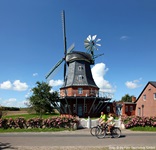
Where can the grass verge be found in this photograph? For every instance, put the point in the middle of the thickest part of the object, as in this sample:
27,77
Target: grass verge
34,130
146,128
30,116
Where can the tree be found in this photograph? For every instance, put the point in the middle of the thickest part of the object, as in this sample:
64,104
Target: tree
126,98
53,99
41,99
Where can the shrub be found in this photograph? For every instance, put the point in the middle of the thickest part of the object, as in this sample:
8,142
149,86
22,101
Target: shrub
53,122
134,121
34,123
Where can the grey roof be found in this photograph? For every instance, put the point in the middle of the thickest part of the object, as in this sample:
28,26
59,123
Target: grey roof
77,55
76,60
153,83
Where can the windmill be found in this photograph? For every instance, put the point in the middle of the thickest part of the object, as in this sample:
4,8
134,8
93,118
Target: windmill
65,51
79,94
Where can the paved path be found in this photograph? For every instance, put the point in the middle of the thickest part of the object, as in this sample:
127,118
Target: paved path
76,140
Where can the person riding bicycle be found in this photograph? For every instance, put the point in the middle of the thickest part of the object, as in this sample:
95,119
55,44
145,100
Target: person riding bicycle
103,118
110,122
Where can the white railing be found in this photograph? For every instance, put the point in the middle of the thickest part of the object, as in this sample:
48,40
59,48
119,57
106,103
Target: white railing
106,94
88,123
99,94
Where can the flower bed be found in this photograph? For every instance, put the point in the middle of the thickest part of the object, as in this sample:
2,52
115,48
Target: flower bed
134,121
53,122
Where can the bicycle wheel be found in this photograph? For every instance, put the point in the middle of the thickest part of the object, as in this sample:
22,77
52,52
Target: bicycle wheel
93,130
101,133
116,132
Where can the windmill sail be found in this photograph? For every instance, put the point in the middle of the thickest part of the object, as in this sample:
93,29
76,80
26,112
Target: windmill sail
53,69
65,42
59,62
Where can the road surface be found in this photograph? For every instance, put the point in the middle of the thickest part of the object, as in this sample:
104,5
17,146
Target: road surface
79,139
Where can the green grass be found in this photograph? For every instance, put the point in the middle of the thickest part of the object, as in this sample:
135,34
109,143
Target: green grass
146,128
29,116
33,130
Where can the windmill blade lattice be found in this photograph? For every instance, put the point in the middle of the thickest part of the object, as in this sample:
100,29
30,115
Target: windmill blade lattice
91,43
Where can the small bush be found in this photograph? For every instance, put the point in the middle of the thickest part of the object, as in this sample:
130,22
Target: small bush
135,121
53,122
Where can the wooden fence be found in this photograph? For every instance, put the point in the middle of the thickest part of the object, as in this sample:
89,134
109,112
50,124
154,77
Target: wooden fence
88,123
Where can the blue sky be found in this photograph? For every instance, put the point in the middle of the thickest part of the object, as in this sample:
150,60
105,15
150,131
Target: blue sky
31,42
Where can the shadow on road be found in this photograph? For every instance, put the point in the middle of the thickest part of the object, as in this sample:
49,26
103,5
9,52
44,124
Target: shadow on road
5,146
122,136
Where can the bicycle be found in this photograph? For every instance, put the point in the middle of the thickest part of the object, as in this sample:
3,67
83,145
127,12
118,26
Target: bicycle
94,130
102,132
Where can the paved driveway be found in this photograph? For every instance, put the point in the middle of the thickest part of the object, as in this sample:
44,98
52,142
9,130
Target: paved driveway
76,140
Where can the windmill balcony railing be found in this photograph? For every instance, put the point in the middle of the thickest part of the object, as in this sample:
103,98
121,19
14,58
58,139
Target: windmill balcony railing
91,94
106,94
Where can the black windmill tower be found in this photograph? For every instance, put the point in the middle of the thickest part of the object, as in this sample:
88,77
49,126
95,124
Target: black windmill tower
79,95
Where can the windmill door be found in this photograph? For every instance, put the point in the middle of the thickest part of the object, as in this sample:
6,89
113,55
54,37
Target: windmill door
80,110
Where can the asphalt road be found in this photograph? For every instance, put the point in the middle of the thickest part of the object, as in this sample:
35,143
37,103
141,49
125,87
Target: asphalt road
79,139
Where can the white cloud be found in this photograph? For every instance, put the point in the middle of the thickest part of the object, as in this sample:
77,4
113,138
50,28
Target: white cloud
9,102
17,85
29,93
124,37
51,91
12,102
133,84
35,74
55,83
26,103
6,85
98,72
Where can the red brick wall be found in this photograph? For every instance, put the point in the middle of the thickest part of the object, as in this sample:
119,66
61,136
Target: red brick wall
149,104
71,91
130,111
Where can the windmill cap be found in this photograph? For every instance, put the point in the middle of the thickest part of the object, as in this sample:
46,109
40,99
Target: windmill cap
77,55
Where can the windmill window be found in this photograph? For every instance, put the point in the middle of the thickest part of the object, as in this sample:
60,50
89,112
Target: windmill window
80,68
80,90
80,77
154,96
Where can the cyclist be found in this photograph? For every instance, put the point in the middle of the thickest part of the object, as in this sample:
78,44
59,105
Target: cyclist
110,122
103,118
